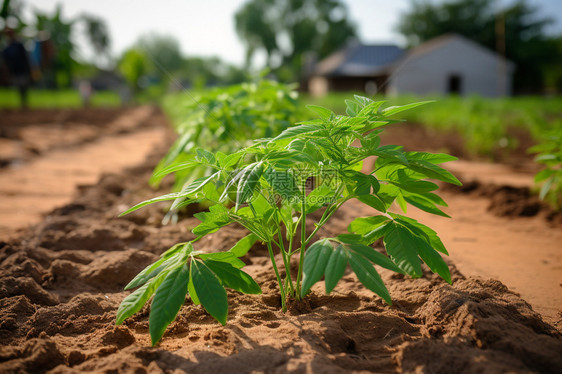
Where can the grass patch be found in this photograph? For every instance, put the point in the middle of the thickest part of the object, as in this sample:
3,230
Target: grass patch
41,99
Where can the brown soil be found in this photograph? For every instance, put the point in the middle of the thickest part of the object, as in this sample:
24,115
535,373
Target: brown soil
61,282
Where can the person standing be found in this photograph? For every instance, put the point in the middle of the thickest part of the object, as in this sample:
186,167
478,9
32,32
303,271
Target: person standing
18,65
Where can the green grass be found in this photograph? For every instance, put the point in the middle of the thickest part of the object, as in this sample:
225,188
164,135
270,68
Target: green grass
486,125
66,98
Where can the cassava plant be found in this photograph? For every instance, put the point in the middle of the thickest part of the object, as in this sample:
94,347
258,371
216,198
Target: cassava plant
223,119
273,186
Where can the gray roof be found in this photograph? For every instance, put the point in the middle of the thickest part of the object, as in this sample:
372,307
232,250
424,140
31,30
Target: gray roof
359,60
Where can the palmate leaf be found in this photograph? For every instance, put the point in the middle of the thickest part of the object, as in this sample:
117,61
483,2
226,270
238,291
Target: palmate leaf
211,221
168,299
423,231
134,302
375,257
322,258
168,258
209,291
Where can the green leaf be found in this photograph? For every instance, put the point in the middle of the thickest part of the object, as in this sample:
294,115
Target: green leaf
282,182
134,302
362,100
434,158
424,204
204,155
175,167
248,182
233,278
387,112
432,259
543,174
209,290
227,257
325,114
373,201
422,230
211,221
335,268
366,225
170,196
168,299
352,108
434,171
168,258
191,291
292,132
149,272
375,257
315,261
368,275
400,245
243,245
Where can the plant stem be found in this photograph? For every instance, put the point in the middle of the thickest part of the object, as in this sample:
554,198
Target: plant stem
303,241
279,281
287,263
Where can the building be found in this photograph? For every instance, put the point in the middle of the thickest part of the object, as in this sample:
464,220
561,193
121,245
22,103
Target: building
449,64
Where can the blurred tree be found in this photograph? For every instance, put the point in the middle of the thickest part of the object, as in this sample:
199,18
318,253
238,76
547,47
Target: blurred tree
98,34
286,31
514,30
61,32
134,64
164,53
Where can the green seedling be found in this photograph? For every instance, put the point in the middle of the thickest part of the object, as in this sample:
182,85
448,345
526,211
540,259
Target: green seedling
549,154
274,186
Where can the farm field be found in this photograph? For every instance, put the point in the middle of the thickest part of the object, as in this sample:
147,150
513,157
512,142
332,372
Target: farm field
65,257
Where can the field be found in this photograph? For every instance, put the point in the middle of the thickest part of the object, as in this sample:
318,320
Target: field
41,99
65,257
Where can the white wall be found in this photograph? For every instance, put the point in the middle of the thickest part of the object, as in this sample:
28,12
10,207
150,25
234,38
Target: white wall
428,73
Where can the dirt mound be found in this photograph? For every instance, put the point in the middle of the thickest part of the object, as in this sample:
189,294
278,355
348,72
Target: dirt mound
61,284
509,201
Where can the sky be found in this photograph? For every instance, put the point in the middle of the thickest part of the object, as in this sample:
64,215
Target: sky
206,27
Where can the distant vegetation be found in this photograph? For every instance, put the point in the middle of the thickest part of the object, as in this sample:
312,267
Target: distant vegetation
57,99
486,125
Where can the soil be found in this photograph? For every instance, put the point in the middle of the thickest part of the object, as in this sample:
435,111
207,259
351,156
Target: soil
61,282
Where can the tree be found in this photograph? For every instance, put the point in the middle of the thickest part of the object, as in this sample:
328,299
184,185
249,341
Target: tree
286,31
516,26
164,53
61,33
134,65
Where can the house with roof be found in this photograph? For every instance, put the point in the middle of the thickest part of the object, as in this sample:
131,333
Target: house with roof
449,64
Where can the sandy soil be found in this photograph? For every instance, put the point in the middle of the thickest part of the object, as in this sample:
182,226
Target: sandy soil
69,157
61,282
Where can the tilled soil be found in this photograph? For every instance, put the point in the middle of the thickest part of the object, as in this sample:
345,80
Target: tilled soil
61,283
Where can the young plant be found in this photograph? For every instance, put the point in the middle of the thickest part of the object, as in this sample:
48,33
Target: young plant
550,155
225,119
273,186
